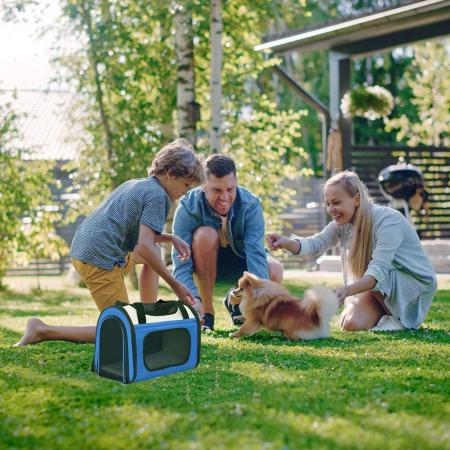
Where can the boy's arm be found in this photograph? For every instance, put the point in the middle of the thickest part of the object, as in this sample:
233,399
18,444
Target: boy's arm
148,251
183,249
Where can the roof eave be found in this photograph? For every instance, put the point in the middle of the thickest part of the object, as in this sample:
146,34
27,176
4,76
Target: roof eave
372,26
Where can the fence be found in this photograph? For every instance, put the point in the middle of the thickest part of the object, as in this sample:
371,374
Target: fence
308,217
434,163
41,267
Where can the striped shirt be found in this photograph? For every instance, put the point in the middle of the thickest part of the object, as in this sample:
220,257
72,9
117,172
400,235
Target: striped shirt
111,231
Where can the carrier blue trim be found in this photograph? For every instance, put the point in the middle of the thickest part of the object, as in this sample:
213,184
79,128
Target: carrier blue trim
148,350
199,331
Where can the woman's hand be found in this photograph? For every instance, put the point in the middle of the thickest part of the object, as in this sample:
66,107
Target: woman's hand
366,283
341,294
277,242
183,249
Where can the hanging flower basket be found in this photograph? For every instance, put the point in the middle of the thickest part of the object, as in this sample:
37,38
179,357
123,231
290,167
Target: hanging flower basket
371,102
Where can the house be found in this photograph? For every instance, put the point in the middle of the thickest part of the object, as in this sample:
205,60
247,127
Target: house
46,130
365,34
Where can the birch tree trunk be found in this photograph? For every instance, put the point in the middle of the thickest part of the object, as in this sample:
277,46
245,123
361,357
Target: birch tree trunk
99,94
215,86
184,46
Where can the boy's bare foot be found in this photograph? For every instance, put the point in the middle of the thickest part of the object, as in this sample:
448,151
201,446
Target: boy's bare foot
33,332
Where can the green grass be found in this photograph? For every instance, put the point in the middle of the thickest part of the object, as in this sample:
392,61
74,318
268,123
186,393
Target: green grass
352,391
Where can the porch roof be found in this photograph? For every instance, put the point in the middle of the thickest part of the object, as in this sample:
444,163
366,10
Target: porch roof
368,33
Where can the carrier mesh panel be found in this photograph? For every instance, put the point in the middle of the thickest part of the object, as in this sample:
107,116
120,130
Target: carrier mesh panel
111,352
166,348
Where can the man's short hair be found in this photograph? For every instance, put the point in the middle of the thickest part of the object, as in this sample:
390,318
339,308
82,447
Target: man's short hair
220,165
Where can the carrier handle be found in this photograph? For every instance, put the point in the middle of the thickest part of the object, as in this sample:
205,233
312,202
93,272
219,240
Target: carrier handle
139,307
182,308
141,314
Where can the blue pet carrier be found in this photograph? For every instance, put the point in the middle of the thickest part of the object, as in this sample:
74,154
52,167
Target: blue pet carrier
140,341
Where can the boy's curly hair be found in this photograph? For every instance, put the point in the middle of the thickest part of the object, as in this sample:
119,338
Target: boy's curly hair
178,159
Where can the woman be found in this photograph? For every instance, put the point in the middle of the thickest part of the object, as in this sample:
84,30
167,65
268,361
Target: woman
391,274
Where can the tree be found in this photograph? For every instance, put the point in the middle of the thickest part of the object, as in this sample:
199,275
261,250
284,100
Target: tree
184,47
130,57
125,80
27,213
427,77
311,70
263,140
261,143
216,74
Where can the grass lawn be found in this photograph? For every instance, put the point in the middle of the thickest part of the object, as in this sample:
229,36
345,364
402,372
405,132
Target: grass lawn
351,391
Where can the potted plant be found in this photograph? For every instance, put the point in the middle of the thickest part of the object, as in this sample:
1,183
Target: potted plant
371,102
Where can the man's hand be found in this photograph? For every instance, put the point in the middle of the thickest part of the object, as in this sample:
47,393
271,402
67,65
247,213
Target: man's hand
183,249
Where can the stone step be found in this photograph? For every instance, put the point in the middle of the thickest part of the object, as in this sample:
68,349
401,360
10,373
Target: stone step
441,264
437,247
329,263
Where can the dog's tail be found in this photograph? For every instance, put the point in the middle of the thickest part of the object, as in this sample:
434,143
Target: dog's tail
323,299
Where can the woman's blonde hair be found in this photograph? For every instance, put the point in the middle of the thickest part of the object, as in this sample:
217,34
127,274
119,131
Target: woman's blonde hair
178,159
361,248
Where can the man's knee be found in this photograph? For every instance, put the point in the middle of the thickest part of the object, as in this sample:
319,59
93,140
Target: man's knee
205,239
275,270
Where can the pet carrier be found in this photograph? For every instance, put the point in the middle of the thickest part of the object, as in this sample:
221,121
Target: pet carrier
138,341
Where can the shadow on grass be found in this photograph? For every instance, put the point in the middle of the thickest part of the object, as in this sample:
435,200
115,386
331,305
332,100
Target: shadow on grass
51,298
38,312
273,338
262,388
346,339
277,356
41,303
218,394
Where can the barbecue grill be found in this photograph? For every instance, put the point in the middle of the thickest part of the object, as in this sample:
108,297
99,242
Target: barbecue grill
399,183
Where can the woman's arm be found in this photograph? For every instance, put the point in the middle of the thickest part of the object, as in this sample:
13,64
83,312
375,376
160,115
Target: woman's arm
366,283
311,246
277,242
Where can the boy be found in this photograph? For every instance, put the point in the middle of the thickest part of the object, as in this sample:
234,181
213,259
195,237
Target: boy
125,230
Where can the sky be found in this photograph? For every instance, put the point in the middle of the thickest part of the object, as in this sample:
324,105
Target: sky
24,57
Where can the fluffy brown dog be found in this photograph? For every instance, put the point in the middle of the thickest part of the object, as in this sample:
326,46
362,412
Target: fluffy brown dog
269,305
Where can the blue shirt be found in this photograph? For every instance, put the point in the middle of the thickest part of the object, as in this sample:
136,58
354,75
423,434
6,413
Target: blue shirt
111,231
245,231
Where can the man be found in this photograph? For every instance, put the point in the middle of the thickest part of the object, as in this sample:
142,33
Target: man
224,225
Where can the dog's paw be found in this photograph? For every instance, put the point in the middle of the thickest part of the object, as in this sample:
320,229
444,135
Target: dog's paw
233,335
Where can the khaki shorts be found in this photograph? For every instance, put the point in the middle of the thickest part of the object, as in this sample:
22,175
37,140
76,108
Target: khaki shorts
106,286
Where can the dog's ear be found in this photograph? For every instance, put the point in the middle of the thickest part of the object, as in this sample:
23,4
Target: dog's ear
244,282
251,279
